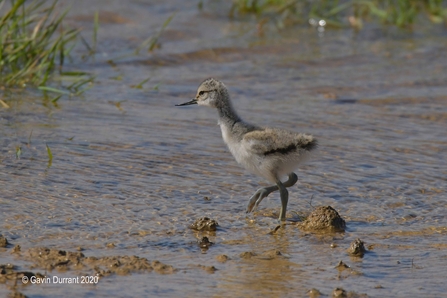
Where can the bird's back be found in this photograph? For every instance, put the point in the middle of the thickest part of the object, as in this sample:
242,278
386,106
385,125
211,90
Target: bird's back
268,152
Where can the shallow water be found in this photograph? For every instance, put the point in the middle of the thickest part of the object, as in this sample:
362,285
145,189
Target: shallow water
138,174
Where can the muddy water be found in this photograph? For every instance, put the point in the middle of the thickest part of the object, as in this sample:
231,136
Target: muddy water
130,172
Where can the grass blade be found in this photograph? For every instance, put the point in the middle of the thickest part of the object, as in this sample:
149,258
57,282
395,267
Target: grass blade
50,155
140,85
33,43
18,152
45,88
56,98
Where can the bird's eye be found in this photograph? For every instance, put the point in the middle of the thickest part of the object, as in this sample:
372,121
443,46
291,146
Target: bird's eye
201,93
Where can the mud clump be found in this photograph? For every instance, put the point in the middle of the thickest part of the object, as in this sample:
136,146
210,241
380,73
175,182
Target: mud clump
55,259
16,249
357,248
247,255
207,269
324,219
41,255
268,255
222,258
340,292
110,245
9,274
314,293
271,254
161,268
51,259
16,294
345,270
204,224
342,266
205,243
3,241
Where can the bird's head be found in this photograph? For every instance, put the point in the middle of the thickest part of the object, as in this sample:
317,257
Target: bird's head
208,94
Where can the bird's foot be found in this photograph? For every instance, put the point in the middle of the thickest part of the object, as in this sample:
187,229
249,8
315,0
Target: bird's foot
255,199
281,225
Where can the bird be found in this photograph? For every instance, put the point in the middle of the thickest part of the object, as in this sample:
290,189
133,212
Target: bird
271,153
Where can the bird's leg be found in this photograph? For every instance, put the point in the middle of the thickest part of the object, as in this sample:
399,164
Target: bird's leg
284,200
259,195
262,193
293,178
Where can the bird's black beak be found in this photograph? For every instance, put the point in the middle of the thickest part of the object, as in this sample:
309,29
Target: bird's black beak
191,102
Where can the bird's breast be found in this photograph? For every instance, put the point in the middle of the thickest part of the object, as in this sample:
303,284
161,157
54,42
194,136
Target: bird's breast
239,150
234,145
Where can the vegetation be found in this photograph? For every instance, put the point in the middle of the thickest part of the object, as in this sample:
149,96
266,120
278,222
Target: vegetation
152,42
402,13
34,44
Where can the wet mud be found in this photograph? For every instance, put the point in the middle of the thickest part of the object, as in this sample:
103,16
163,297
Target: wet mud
45,263
49,260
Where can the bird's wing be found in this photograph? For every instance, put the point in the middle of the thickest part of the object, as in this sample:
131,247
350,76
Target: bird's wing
277,141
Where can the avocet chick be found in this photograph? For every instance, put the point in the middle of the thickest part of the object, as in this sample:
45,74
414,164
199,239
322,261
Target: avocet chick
268,152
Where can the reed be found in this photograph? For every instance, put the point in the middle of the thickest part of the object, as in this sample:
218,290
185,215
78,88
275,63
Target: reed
401,13
34,44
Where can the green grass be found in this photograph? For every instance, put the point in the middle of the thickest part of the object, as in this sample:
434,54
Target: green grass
401,13
152,42
50,155
34,45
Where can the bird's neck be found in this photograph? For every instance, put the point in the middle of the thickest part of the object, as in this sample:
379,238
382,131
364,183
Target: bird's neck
227,114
